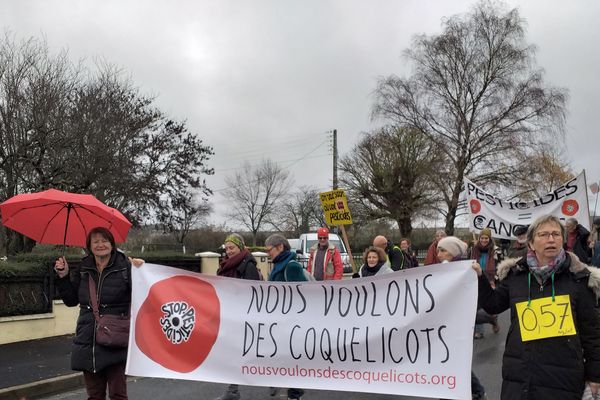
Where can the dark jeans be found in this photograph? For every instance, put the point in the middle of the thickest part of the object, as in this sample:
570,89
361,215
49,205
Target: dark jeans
484,318
596,257
113,377
477,389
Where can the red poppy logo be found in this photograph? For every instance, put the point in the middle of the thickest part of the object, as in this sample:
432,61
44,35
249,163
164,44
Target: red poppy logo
570,207
475,206
178,323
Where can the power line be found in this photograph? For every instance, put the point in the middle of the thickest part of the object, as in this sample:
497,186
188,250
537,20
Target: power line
293,162
258,145
277,162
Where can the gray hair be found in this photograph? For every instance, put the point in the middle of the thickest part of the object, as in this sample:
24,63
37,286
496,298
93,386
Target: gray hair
276,239
572,221
544,219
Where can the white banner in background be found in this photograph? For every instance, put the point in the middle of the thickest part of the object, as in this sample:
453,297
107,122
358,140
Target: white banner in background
409,333
502,216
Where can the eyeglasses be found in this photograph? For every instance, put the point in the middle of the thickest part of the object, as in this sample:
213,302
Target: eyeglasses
323,237
268,249
546,235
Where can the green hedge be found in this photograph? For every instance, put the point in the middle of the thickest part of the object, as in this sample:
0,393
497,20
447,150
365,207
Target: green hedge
36,263
24,268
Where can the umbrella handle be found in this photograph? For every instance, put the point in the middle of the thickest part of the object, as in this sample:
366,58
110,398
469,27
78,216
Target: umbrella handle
69,207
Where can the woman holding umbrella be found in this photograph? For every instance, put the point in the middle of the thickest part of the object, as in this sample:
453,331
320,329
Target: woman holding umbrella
110,273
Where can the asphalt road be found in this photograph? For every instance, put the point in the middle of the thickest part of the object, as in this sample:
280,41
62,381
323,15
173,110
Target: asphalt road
487,361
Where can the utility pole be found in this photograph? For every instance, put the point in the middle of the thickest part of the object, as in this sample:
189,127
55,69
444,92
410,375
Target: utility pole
335,160
335,186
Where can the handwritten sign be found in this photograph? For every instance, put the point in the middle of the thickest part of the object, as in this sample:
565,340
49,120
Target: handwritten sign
335,207
503,217
545,318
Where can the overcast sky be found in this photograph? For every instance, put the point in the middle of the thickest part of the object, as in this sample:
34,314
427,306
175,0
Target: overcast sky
270,79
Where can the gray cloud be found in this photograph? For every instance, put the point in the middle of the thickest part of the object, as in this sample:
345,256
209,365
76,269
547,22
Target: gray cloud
270,78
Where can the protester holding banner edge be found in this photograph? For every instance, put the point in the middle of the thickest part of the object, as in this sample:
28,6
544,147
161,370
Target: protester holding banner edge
451,248
285,269
102,366
559,363
238,263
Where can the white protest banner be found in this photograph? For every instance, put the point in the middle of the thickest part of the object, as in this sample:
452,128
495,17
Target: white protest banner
410,332
502,216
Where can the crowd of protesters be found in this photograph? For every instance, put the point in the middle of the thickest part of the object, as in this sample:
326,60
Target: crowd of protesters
548,259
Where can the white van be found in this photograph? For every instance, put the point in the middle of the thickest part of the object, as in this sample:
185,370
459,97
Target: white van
307,240
294,244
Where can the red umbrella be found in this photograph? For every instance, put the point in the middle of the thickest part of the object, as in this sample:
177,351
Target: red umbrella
56,217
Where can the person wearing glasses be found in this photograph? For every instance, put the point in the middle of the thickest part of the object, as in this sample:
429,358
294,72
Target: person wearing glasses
285,269
552,349
325,260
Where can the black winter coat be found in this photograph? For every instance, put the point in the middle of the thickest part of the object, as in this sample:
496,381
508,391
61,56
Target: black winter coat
551,368
581,248
248,269
113,287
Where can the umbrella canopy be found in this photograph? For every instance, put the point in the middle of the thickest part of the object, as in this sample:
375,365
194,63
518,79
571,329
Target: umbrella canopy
56,217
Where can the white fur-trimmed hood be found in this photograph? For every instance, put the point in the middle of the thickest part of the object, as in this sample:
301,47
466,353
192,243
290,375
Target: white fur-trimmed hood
576,266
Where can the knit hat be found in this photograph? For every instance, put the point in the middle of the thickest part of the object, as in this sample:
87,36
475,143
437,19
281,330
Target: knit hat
236,239
453,245
520,230
323,232
486,232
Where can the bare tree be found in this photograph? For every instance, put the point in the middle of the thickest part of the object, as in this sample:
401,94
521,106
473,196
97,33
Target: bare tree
255,193
182,214
388,174
67,127
541,173
476,93
34,108
299,212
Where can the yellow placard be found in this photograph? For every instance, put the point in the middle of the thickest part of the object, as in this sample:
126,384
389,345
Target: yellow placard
545,318
335,207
